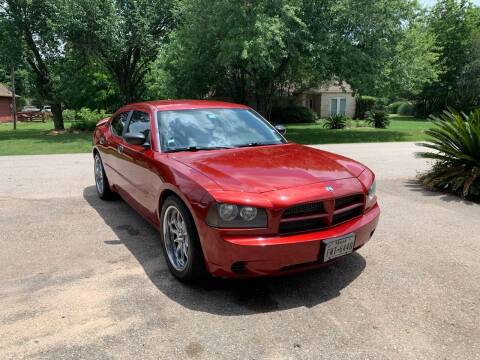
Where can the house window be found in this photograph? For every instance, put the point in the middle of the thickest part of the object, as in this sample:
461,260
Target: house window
310,103
338,105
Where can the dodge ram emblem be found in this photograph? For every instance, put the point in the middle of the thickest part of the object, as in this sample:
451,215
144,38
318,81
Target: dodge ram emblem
329,188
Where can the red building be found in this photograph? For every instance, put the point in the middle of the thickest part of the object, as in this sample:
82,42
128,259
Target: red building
5,104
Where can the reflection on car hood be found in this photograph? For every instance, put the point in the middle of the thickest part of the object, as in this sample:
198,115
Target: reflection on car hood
269,168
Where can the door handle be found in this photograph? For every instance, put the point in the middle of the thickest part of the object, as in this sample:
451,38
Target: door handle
120,149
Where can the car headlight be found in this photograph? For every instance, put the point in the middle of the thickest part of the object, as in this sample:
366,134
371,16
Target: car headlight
371,196
236,216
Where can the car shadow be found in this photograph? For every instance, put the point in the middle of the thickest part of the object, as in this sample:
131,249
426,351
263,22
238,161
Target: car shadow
219,296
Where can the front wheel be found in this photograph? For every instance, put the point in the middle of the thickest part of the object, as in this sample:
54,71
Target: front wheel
181,246
101,181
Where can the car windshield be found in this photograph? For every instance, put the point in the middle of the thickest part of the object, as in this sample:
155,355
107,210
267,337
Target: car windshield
204,129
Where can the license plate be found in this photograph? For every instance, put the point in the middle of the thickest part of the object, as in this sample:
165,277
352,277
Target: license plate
335,248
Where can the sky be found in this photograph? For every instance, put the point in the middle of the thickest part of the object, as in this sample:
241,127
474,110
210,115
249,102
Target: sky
432,2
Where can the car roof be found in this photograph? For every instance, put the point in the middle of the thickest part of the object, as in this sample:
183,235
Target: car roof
164,105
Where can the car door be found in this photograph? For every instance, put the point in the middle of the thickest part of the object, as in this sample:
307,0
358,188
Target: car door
137,163
113,146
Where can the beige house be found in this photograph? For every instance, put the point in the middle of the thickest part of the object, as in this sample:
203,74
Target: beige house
331,99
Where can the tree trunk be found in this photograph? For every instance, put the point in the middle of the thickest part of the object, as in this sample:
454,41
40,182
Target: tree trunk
58,117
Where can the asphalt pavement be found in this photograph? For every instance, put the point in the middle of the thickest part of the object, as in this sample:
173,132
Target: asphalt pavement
85,279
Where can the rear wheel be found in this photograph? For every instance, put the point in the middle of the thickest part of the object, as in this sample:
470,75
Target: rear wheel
101,181
181,245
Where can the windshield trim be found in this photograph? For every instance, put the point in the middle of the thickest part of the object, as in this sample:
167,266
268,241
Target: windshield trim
161,149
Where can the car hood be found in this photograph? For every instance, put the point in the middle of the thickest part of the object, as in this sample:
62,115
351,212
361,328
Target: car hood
268,168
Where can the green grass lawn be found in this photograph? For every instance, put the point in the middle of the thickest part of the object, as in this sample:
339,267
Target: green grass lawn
402,128
38,138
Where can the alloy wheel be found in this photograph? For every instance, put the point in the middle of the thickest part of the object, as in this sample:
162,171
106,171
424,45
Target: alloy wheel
176,238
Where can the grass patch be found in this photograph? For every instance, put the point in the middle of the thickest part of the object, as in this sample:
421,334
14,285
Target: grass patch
402,128
37,138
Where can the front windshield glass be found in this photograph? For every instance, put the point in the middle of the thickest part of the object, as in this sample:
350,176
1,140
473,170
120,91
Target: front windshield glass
205,129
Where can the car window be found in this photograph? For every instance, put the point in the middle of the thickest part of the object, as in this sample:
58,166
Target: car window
139,123
210,128
119,122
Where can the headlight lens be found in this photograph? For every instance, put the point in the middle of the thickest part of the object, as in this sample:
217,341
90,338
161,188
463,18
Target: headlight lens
228,212
248,213
372,197
236,216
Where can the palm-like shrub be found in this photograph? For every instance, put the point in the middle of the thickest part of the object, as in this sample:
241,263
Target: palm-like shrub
378,119
335,122
456,141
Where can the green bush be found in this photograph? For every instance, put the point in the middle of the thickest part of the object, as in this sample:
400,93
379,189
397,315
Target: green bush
456,145
69,115
380,104
393,107
86,119
336,122
292,114
378,119
364,105
406,109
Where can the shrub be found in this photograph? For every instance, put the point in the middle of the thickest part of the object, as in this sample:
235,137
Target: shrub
336,122
406,109
364,105
380,104
456,145
86,119
293,114
69,115
393,107
378,119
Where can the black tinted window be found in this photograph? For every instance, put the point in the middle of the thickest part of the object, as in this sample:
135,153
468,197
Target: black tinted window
119,122
139,123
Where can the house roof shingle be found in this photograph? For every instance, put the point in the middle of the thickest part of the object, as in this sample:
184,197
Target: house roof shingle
4,91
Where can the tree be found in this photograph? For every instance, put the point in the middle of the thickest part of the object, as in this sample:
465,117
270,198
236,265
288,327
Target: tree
453,27
252,50
31,29
412,65
123,35
236,49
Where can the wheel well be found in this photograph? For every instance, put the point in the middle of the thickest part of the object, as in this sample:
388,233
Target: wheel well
164,195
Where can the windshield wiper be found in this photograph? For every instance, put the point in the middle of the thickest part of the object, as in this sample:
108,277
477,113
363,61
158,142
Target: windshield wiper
198,148
252,144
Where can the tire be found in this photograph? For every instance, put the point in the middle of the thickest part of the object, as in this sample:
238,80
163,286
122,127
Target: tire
101,182
180,243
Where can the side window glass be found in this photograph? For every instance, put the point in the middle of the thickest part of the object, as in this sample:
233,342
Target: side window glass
119,122
139,123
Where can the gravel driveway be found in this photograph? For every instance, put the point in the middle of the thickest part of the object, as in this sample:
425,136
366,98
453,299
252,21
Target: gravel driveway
82,278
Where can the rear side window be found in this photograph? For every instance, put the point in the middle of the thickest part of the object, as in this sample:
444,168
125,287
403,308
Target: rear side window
139,123
119,122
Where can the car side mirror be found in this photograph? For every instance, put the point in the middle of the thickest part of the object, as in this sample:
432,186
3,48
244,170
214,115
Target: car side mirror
136,139
281,129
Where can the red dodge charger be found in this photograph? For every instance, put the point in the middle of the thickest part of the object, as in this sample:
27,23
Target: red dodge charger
228,193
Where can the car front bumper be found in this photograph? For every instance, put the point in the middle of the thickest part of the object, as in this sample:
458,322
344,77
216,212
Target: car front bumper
252,256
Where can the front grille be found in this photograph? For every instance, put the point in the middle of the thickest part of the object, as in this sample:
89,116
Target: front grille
343,202
301,225
304,209
347,215
314,216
